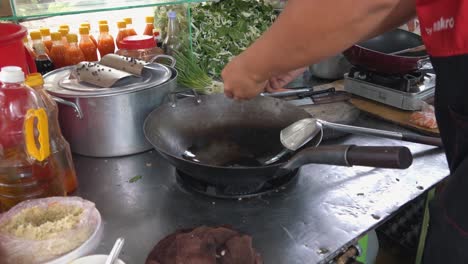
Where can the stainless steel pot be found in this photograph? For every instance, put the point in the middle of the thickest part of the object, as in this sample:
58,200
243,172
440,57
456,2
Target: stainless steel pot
109,122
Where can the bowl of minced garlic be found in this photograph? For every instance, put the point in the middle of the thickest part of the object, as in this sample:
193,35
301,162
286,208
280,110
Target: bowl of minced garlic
49,230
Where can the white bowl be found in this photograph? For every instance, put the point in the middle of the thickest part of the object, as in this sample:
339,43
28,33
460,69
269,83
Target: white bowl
94,259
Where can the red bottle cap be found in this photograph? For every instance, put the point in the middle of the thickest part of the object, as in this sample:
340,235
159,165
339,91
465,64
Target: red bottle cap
137,42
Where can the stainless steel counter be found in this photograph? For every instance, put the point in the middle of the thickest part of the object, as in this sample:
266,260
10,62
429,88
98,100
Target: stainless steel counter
327,209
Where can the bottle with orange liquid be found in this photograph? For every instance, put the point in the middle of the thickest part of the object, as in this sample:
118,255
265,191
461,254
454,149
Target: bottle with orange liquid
130,30
57,52
88,25
122,32
149,26
60,153
26,171
87,46
73,54
64,32
105,41
46,39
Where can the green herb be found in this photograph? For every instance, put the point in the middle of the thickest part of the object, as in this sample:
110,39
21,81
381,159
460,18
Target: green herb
135,179
192,75
222,30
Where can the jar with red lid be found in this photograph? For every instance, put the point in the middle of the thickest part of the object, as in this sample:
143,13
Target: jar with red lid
139,47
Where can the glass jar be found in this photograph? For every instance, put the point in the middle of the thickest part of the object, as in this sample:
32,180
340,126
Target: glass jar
139,47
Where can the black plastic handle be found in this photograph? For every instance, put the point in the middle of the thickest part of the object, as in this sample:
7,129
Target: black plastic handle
350,155
433,141
380,157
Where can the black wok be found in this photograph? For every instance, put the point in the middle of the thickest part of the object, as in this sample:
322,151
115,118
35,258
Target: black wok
374,54
220,141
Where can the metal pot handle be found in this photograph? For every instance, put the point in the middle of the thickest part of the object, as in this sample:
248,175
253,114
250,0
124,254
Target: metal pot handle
75,106
174,96
172,59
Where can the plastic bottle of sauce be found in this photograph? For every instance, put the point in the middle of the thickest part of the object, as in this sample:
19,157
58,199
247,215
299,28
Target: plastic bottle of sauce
64,32
149,26
60,153
157,38
57,53
25,168
46,39
88,25
28,47
172,41
73,54
43,62
130,30
87,46
122,32
106,43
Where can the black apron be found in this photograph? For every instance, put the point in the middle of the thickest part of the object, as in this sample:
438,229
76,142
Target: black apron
445,33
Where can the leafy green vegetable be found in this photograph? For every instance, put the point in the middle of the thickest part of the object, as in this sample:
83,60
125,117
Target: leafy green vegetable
222,30
135,179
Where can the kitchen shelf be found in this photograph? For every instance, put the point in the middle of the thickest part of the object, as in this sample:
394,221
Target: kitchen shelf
27,9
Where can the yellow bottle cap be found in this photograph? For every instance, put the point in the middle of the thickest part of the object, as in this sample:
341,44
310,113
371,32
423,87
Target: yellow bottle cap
35,35
149,19
121,24
34,80
100,22
103,28
63,31
65,26
86,24
84,30
127,20
45,32
56,36
72,38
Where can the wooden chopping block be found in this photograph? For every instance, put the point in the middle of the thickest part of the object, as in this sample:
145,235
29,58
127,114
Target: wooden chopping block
382,111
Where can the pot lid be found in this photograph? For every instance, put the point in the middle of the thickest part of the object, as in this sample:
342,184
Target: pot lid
58,83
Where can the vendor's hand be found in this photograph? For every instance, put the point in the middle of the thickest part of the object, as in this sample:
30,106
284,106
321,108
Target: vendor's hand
239,83
276,84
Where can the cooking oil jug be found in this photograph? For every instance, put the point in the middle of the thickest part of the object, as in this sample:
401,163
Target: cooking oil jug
26,168
60,153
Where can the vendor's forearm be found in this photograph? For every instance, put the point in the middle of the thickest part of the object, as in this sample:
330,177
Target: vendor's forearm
310,30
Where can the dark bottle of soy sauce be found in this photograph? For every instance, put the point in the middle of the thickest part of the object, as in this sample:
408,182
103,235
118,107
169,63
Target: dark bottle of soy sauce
43,62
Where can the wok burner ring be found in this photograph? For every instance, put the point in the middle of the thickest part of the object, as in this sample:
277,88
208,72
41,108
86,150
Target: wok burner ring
190,184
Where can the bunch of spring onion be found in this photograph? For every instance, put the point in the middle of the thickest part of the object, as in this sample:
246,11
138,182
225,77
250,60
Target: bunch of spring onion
193,76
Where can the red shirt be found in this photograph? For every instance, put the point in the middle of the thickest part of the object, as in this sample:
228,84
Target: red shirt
444,26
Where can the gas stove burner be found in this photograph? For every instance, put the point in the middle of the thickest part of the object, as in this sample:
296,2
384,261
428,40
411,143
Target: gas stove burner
408,82
235,191
405,91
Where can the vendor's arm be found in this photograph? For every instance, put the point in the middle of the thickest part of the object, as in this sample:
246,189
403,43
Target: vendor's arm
306,32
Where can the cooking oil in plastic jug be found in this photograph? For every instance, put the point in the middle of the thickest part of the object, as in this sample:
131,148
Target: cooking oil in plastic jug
60,153
26,170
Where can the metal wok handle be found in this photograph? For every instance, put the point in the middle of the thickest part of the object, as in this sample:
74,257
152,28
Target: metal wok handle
75,106
351,155
174,96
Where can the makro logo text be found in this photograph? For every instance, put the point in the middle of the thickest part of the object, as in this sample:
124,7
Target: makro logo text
441,25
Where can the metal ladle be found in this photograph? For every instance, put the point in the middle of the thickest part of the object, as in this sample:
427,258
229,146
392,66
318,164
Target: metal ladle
301,132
